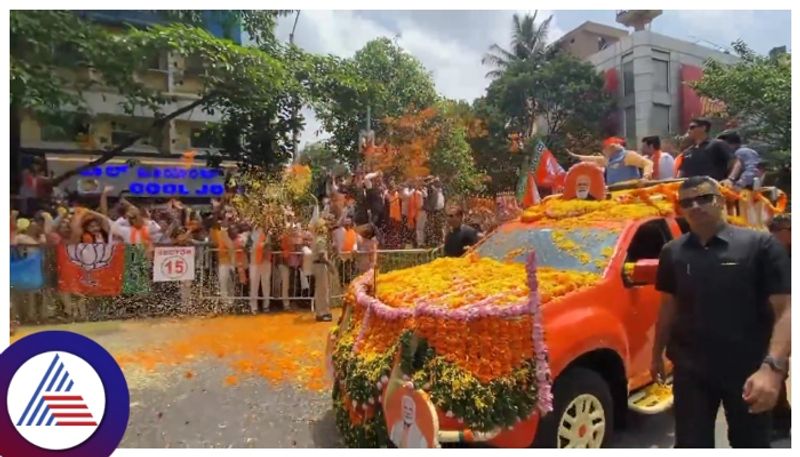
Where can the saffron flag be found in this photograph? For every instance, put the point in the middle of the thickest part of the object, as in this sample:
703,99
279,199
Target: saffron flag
26,272
549,172
531,195
91,269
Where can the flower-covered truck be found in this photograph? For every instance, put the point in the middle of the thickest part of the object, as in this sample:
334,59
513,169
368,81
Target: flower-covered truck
541,335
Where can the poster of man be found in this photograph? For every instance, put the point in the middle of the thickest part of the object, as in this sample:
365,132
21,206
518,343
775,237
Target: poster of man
411,418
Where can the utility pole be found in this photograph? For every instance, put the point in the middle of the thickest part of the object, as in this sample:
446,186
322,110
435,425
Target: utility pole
295,132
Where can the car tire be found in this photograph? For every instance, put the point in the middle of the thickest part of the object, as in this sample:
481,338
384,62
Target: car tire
583,412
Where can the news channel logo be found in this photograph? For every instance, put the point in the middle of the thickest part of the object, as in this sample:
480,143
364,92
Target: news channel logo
65,395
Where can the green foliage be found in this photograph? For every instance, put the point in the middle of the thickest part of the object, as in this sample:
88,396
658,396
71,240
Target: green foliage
321,159
491,152
756,91
382,76
254,88
563,96
452,159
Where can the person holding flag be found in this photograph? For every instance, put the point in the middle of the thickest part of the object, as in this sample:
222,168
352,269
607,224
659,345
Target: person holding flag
544,171
620,164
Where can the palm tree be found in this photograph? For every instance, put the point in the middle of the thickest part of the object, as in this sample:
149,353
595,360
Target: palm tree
528,41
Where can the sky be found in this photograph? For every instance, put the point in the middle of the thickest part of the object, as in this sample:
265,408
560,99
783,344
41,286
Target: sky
450,44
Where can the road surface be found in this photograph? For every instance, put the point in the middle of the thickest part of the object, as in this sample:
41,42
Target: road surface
193,383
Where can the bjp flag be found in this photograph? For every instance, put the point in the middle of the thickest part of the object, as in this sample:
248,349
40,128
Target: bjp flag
549,173
531,195
91,269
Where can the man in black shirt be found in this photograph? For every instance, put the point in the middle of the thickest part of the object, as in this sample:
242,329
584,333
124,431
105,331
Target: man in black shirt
459,236
706,157
724,320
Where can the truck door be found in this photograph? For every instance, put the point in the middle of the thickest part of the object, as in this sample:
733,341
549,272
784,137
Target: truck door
643,301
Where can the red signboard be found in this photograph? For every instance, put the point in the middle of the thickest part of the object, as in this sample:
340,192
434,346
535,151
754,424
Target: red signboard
693,105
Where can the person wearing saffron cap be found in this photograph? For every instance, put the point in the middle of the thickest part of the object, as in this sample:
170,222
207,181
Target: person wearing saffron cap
620,164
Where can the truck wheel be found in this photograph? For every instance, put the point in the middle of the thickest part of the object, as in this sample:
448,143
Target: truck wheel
582,416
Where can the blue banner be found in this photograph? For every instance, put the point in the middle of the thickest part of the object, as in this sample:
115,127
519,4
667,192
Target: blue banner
26,272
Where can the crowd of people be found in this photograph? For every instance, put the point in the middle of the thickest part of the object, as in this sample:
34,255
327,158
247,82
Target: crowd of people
360,214
725,159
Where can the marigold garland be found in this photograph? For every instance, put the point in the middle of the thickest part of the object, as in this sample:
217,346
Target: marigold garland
480,355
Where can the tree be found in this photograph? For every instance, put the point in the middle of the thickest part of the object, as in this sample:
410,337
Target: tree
451,160
491,152
432,141
528,42
322,160
756,92
390,82
41,82
560,101
253,88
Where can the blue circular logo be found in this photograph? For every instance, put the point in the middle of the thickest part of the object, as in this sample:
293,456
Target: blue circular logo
63,395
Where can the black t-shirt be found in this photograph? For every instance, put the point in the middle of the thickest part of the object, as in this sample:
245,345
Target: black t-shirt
709,158
456,241
724,320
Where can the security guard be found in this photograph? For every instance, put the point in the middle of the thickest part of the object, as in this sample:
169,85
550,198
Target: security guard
724,320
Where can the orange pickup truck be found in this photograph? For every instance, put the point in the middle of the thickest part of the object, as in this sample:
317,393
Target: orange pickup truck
596,269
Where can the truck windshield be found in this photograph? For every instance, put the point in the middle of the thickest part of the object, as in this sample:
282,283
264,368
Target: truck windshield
580,249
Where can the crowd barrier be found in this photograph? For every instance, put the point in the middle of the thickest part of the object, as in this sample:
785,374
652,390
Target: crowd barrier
100,282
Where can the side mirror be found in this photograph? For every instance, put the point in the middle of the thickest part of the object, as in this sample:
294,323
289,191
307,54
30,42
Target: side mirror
641,273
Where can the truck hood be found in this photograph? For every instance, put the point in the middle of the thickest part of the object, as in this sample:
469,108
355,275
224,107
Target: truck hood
458,282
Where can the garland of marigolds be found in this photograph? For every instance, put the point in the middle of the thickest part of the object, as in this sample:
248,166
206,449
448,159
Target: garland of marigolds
497,376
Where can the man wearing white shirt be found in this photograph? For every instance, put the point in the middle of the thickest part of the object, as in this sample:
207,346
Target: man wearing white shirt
421,194
260,268
663,162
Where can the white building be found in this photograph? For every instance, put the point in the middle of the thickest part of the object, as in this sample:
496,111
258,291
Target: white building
649,73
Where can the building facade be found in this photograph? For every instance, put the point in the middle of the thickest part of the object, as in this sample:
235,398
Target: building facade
84,138
649,75
589,38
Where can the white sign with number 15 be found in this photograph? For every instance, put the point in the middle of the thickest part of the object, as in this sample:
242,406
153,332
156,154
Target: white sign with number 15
173,264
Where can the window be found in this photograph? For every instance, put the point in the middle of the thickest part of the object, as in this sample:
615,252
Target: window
194,65
66,129
627,77
122,133
659,120
630,124
201,138
591,242
648,241
156,61
67,55
660,75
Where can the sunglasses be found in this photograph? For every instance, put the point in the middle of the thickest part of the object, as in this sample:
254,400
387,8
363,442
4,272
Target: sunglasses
701,200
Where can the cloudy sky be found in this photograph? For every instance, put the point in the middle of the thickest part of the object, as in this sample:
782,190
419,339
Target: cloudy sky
450,43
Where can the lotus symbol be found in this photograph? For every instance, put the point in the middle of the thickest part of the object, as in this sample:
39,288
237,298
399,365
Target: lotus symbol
90,256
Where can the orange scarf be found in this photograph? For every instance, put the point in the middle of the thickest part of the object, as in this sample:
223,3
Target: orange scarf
678,163
394,207
140,235
241,260
258,255
350,238
413,208
286,246
656,164
223,253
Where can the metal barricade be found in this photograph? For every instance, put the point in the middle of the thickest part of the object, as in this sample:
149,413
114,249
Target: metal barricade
286,280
